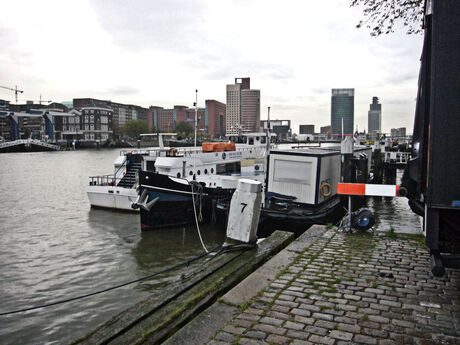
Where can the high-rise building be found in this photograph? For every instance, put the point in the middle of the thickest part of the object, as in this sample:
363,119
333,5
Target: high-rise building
243,107
374,117
342,111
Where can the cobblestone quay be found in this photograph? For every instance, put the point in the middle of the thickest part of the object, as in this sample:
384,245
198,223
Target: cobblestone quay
353,289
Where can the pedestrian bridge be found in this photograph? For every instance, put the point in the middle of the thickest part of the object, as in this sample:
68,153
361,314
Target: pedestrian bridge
23,145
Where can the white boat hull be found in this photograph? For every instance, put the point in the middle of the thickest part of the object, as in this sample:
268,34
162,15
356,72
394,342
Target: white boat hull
111,197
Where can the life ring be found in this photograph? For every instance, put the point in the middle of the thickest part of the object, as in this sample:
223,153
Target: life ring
329,189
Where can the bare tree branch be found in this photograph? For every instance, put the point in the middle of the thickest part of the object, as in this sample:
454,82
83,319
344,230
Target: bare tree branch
381,16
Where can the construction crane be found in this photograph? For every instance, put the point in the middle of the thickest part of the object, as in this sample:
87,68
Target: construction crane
16,91
41,100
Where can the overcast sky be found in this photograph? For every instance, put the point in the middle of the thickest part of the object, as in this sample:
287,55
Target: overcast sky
157,52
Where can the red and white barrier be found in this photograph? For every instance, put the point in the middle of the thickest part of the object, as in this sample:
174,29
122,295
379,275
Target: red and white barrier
368,189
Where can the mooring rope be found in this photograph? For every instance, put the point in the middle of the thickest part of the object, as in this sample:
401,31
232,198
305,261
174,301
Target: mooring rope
185,263
198,218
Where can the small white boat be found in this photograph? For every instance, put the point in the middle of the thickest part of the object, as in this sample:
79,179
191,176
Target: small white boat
118,191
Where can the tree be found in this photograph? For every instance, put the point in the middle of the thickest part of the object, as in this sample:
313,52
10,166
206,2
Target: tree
382,15
134,128
185,128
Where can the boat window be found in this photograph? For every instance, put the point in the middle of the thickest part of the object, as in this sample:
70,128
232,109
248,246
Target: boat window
198,172
205,171
263,140
228,168
251,141
178,175
190,173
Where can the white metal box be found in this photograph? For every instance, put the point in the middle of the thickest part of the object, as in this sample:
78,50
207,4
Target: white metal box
302,173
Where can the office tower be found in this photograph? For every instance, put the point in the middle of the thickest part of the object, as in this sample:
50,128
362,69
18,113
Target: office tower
250,110
342,111
243,107
374,117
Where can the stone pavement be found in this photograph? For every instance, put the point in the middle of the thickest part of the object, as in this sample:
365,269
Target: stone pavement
352,289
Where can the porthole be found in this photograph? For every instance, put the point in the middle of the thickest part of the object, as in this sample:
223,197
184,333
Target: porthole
198,172
190,173
178,175
205,171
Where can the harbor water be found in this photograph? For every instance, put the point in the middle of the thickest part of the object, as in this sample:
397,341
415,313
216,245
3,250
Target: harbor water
53,246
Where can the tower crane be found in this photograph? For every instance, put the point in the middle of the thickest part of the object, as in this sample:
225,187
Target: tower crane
16,91
42,100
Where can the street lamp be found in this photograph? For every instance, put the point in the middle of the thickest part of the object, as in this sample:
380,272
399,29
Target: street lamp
196,113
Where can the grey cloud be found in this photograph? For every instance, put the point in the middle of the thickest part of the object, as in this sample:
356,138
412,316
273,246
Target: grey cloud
220,69
321,90
145,24
13,55
281,73
123,91
399,78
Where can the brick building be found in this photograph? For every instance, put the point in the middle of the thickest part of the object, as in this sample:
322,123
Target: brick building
122,113
211,118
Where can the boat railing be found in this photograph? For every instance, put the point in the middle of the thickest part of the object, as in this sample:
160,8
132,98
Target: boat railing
104,180
397,157
182,151
194,151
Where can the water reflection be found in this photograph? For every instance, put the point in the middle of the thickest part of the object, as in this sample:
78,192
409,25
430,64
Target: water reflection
125,225
163,248
394,213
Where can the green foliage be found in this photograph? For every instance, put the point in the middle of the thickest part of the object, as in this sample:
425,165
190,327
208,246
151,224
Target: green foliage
133,128
382,15
184,128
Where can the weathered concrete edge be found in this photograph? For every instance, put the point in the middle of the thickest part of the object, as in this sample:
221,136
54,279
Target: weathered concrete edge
265,274
231,275
205,325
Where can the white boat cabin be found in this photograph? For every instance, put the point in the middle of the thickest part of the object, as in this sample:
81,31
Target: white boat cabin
219,158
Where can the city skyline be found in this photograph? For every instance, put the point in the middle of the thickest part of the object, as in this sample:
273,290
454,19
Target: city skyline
134,54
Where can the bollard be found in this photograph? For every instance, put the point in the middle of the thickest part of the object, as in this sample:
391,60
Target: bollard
244,213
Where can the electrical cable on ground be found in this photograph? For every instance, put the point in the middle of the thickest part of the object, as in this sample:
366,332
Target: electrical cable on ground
185,263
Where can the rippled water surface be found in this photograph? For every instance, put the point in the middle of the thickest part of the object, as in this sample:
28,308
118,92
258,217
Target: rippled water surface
53,246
